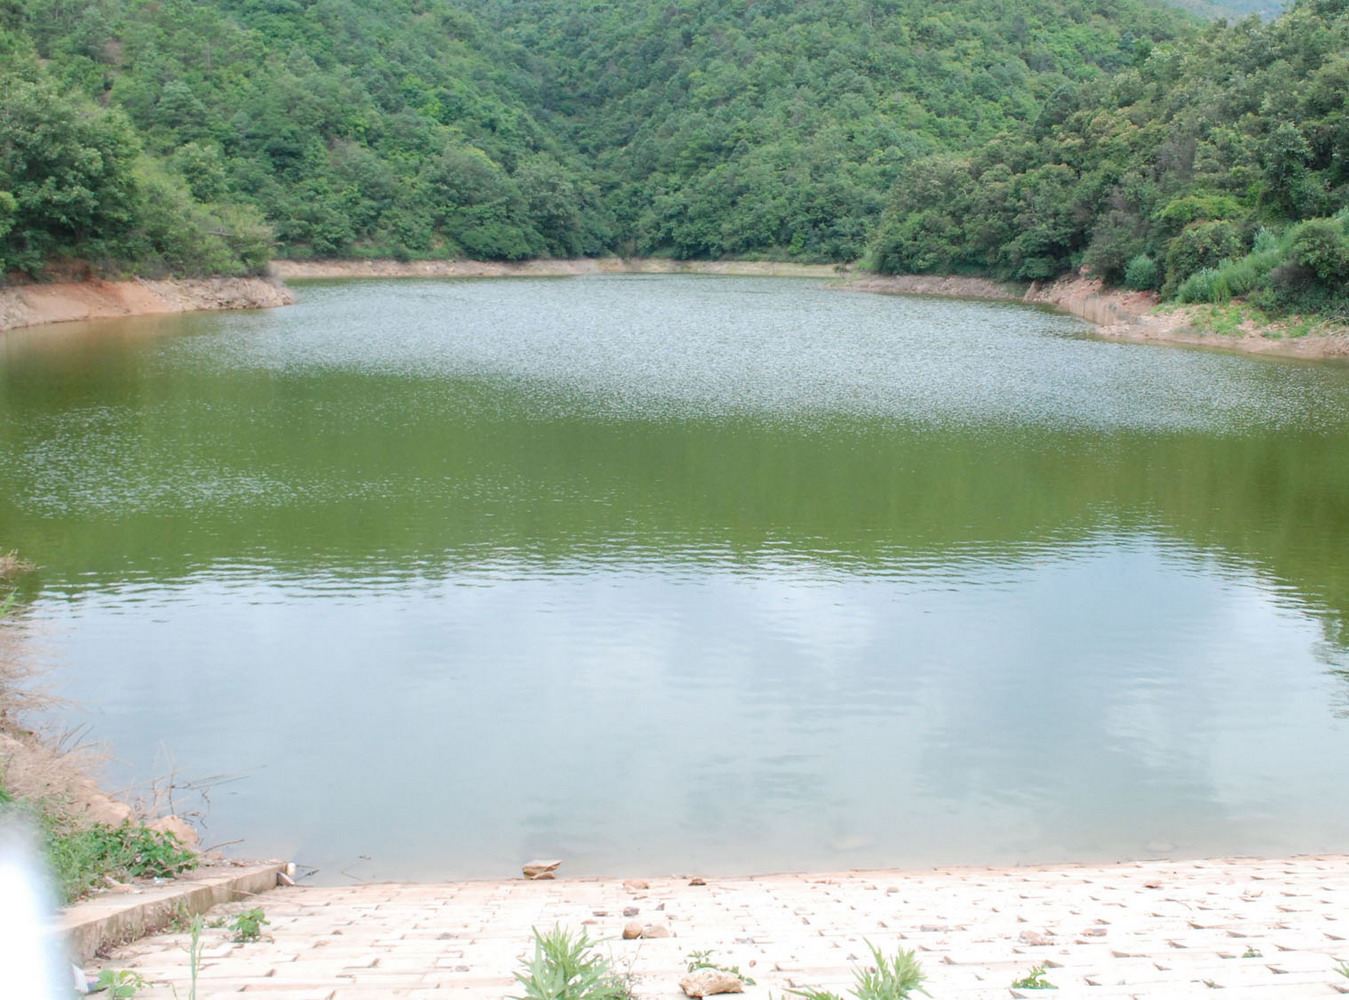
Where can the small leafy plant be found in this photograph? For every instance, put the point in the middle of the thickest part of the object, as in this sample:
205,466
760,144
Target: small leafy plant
1251,952
1343,969
1034,980
566,967
121,984
703,960
81,857
889,979
247,926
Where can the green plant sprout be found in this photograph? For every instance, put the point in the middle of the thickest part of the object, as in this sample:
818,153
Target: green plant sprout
121,984
889,979
247,926
703,960
1034,980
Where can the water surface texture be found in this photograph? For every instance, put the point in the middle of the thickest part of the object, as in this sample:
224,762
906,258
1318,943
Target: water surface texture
689,574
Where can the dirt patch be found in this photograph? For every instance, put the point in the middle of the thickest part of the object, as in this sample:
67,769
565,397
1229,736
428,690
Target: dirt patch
57,302
945,286
1132,316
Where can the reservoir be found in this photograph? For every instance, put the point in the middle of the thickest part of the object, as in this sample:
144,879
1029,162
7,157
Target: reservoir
687,574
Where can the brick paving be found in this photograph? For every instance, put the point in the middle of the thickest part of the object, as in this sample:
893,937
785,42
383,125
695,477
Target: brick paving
1260,929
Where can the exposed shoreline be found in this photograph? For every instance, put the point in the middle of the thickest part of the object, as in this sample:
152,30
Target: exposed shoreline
305,270
1118,315
66,301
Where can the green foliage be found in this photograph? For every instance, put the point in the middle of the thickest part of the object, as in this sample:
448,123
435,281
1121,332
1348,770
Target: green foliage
81,857
66,168
566,967
121,984
1183,157
703,960
1320,246
1018,141
1200,246
888,979
1141,274
1034,980
247,926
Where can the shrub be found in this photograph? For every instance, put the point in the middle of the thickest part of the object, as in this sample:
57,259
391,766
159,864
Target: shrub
1199,246
1321,248
1207,285
1140,273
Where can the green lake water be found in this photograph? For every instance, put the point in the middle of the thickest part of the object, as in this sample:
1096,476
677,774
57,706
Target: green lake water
689,574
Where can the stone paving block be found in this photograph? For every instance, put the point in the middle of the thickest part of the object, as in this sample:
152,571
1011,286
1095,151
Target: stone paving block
971,913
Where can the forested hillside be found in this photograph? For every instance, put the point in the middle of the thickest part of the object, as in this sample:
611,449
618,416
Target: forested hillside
1209,169
775,127
1016,138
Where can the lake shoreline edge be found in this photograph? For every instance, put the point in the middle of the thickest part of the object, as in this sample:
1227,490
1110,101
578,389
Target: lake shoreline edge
45,303
1117,314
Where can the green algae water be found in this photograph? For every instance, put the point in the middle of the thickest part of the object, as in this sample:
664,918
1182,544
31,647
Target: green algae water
689,574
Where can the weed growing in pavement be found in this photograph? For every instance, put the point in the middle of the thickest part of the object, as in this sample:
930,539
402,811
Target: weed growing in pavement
121,984
703,960
1034,980
889,979
566,967
247,926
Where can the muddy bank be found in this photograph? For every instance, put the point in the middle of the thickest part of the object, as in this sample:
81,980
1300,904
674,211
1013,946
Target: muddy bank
942,285
57,302
307,269
1118,314
1124,315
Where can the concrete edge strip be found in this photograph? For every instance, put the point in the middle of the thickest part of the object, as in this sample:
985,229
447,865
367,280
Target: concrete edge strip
101,923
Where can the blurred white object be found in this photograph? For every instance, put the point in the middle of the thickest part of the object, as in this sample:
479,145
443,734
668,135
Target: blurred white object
32,946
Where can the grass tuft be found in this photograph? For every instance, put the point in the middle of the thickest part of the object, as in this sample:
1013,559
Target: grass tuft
566,967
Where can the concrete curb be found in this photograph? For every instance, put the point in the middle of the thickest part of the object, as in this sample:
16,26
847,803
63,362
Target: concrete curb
96,924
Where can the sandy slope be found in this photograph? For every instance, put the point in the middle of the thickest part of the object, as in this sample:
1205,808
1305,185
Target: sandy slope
32,305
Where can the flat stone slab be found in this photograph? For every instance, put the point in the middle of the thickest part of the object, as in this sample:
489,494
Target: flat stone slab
1156,929
96,924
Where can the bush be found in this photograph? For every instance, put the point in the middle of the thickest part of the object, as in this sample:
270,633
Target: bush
1140,273
1207,285
1200,245
1321,248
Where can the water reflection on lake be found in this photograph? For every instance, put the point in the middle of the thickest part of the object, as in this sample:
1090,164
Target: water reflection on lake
672,574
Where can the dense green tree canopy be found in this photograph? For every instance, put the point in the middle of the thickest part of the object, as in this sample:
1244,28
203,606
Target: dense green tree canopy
1021,139
1204,160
